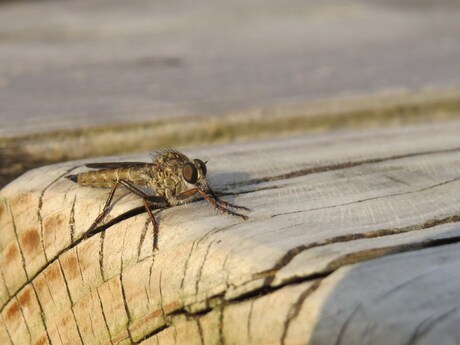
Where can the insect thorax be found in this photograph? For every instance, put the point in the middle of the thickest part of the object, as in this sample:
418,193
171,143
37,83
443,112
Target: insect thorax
166,176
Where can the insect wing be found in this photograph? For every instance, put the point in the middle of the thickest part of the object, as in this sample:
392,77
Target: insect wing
116,165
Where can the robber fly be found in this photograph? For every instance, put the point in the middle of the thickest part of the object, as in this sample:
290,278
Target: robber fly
172,178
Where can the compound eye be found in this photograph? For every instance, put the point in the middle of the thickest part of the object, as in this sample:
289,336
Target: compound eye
202,165
190,173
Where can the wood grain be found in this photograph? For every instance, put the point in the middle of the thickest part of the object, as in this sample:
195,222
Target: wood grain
352,237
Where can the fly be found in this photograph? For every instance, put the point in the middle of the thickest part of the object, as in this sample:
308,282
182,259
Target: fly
172,178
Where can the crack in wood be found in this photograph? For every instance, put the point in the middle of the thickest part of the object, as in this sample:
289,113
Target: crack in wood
248,191
42,313
191,315
101,255
345,325
174,333
123,293
220,326
161,297
103,316
50,293
25,319
225,269
15,230
215,231
368,332
1,266
4,282
369,199
152,334
249,320
125,305
91,323
428,324
200,271
151,268
79,266
269,274
71,301
177,313
194,246
59,334
40,205
401,285
72,220
182,282
369,254
147,295
331,167
40,221
200,331
6,329
394,179
294,310
118,219
221,303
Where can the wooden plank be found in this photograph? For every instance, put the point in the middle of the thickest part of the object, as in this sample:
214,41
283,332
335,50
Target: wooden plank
19,154
111,79
102,62
332,216
414,301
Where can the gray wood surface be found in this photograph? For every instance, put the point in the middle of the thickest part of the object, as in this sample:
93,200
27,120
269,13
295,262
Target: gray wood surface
66,64
353,237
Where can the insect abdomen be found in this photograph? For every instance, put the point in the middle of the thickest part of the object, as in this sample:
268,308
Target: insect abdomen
106,178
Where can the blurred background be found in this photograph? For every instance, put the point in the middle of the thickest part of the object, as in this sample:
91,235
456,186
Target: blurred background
87,78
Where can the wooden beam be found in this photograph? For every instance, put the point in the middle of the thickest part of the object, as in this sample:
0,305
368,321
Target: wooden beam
352,236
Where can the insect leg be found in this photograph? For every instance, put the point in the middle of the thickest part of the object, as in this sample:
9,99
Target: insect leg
211,201
225,203
106,207
156,201
156,229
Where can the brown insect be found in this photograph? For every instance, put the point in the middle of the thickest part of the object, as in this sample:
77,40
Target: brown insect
172,179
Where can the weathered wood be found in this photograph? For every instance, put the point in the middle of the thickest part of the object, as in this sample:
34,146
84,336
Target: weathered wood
116,79
22,153
103,62
353,237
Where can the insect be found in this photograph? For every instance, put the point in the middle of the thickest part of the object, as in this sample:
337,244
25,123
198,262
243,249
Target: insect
171,177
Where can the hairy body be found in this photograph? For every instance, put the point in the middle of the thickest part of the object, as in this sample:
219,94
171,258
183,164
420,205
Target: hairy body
171,177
